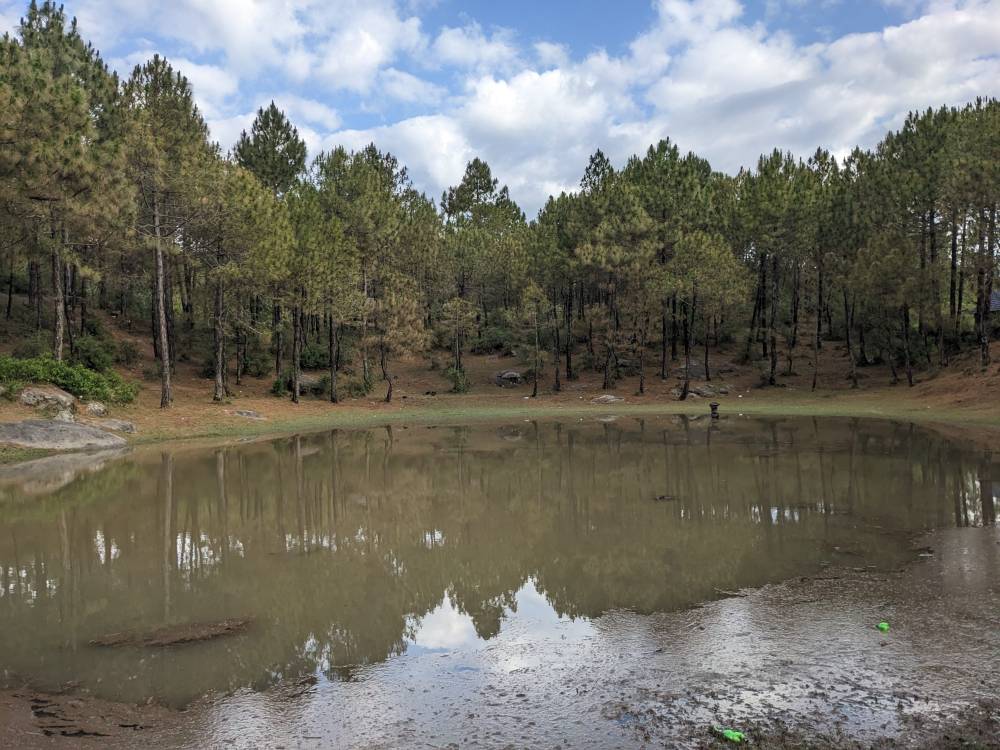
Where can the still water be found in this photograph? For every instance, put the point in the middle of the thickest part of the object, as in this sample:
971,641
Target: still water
352,550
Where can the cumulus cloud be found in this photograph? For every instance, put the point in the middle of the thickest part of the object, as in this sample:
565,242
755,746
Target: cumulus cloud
702,73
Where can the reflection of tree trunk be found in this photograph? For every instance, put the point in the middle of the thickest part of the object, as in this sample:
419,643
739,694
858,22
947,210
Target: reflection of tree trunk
169,548
220,486
986,494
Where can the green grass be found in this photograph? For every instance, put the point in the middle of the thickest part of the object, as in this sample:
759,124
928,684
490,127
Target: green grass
348,417
10,454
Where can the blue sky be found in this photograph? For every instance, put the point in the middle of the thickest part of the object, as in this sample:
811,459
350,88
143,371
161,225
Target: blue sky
534,87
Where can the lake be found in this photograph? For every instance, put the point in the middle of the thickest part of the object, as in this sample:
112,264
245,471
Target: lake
416,571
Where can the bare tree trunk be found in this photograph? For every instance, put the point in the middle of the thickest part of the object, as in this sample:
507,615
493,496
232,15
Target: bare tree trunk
538,360
276,334
688,323
59,303
850,346
906,344
569,333
817,339
663,342
10,288
165,391
556,384
385,372
772,321
296,352
332,346
708,372
220,354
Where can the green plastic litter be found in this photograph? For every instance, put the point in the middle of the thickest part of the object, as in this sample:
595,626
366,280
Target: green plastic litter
883,626
731,734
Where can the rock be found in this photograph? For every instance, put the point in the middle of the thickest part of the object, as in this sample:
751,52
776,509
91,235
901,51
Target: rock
48,397
56,435
115,425
607,398
249,414
509,379
97,409
705,391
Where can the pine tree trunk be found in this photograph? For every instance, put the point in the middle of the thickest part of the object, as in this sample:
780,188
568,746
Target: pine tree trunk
276,335
708,372
538,359
10,289
332,346
907,360
663,342
556,383
383,357
59,304
772,321
161,300
850,345
83,306
673,328
296,351
220,354
569,333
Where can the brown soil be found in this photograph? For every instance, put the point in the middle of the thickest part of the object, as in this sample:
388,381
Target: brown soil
174,635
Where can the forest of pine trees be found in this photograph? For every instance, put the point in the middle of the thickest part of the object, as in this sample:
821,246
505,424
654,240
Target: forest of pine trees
114,197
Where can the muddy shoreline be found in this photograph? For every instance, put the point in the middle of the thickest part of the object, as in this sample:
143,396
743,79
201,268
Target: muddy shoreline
794,664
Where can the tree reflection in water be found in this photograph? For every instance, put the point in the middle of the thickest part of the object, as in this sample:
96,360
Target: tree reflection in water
351,547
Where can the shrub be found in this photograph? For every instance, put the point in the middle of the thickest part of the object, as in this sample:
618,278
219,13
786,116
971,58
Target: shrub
493,339
315,357
38,345
353,388
127,354
94,353
76,379
459,380
258,363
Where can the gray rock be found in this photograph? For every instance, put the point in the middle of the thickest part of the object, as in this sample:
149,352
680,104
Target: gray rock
47,397
115,425
705,391
56,435
509,378
249,414
64,415
97,409
607,398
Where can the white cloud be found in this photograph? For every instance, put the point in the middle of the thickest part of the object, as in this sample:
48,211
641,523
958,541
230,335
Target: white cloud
701,74
469,47
405,87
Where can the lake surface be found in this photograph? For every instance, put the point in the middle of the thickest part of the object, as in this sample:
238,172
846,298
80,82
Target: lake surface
365,560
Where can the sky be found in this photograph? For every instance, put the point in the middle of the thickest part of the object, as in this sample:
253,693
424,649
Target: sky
534,87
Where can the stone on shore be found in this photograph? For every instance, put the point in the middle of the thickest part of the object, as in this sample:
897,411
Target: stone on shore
57,435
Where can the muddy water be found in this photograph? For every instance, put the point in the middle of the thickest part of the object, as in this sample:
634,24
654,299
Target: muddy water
514,582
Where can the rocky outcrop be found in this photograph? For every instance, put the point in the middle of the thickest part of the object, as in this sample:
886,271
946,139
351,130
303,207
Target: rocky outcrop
115,425
57,435
97,409
43,476
509,378
607,398
51,400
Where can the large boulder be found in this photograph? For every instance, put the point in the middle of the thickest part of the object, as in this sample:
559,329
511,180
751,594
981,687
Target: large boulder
115,425
57,435
509,378
97,409
607,398
49,398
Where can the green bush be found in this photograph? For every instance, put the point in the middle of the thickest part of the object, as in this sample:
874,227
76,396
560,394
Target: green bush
37,345
315,357
259,363
127,354
94,353
76,379
493,340
460,382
